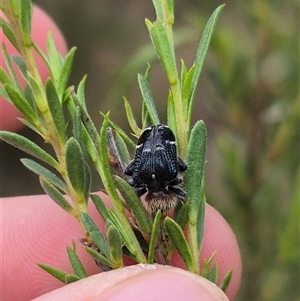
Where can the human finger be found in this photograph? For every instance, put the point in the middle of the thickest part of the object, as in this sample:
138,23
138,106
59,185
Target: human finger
219,238
140,282
36,230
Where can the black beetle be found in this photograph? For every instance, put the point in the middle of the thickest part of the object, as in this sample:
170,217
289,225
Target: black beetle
156,168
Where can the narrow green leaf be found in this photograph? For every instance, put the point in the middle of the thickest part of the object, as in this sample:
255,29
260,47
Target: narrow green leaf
95,233
130,118
226,280
68,95
45,173
29,147
201,53
80,132
115,160
130,240
90,127
178,239
201,216
170,11
71,278
195,163
4,78
154,236
125,137
205,269
9,33
98,257
58,274
108,223
135,205
146,121
208,272
75,165
87,182
56,196
43,57
116,218
165,51
39,94
10,68
87,121
21,104
26,14
56,110
20,63
65,72
80,91
122,149
148,72
186,89
148,99
182,73
214,273
30,97
77,127
30,125
158,9
4,94
115,245
54,60
101,207
105,173
211,258
181,214
171,114
89,148
76,263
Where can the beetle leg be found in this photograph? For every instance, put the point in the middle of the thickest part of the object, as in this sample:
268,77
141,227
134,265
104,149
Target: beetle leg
178,191
129,169
141,191
175,182
181,165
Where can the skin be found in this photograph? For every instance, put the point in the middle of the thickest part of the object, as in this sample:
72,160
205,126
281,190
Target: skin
35,230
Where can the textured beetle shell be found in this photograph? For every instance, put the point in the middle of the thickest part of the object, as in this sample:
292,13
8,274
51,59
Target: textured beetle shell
156,166
155,160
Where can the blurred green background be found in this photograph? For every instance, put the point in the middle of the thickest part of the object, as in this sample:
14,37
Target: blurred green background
248,95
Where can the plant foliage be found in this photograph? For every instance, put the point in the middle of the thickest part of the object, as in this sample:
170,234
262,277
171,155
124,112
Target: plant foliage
54,108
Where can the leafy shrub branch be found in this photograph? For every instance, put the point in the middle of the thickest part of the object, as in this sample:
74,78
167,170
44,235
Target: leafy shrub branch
54,110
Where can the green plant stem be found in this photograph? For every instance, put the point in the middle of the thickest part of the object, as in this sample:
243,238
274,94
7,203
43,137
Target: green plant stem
192,235
102,166
49,134
25,49
182,130
168,20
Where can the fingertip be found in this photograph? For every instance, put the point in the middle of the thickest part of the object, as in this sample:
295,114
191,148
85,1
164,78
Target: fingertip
219,238
163,283
40,238
140,282
36,230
